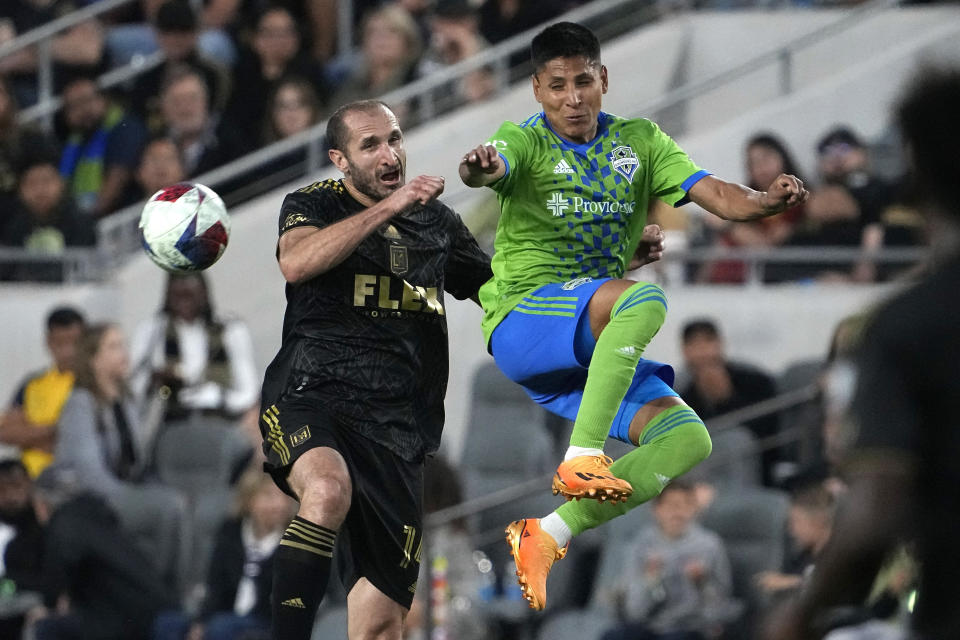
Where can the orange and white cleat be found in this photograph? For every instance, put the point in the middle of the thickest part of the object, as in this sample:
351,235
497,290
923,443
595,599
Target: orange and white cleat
534,551
590,477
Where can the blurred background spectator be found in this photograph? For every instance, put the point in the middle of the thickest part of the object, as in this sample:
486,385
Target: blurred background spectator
104,440
676,582
102,146
240,577
390,47
766,157
96,582
15,141
275,53
202,364
204,142
30,423
160,166
717,385
44,221
177,32
21,548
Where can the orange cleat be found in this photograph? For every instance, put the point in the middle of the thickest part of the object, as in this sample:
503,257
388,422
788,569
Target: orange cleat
534,551
590,477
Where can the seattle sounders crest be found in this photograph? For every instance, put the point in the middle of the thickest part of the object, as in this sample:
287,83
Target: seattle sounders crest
624,161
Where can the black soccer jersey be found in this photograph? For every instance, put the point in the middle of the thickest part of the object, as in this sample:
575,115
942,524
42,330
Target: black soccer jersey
369,336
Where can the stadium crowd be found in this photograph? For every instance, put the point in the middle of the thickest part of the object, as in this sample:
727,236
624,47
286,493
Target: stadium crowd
236,75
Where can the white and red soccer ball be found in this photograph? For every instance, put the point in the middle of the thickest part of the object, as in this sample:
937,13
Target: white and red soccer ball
184,227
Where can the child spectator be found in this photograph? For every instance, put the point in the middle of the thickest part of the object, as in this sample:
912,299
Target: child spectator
677,583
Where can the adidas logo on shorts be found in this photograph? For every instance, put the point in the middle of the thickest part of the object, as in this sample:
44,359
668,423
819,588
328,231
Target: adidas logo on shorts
296,603
563,167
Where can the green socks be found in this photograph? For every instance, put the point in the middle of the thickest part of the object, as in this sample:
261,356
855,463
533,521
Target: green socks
636,317
672,443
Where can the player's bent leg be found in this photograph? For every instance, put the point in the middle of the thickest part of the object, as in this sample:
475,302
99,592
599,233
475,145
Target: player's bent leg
625,316
321,481
670,443
372,615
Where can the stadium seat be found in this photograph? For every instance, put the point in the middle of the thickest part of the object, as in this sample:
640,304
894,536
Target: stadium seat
734,461
583,624
751,522
798,375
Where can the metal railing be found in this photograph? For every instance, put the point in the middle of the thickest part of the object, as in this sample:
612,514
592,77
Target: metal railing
42,37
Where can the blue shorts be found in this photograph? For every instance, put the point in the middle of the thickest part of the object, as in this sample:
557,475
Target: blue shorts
545,345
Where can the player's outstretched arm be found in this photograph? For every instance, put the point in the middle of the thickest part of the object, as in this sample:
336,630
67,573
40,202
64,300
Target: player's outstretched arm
306,252
732,201
481,166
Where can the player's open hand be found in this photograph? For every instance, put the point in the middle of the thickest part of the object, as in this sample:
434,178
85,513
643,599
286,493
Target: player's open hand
784,192
650,248
421,190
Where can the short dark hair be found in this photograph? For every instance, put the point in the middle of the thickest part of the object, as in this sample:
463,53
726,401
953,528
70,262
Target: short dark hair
927,115
12,465
676,485
840,135
700,327
564,40
337,132
63,317
774,143
176,16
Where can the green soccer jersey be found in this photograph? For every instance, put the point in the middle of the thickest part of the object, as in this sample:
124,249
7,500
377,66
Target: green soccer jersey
572,211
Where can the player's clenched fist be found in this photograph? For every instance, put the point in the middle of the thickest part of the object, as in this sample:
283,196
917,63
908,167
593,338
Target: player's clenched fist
420,190
481,165
785,192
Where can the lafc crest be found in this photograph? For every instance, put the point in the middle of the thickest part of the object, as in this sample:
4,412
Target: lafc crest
624,161
399,263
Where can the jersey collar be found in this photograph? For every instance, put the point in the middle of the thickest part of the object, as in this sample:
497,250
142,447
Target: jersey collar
581,149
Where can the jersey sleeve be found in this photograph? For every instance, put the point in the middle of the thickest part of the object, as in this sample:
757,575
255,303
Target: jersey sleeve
513,145
468,266
316,208
672,170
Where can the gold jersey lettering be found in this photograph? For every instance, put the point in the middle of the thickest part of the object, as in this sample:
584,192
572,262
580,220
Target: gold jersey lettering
430,297
385,301
362,287
412,300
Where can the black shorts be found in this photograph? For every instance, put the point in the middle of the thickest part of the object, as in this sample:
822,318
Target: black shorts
381,538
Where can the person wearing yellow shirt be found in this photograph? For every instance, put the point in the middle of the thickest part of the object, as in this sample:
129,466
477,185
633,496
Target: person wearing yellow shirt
31,421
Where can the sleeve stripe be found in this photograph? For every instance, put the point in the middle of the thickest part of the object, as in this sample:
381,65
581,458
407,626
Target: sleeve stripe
694,179
506,163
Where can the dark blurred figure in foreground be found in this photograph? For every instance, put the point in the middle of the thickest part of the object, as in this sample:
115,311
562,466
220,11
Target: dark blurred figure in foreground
904,483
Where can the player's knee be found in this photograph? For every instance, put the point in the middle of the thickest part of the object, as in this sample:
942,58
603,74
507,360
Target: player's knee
380,626
699,444
326,499
642,299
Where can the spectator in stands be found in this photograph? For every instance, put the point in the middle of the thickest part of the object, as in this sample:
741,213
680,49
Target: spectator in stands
79,49
203,141
21,538
104,440
718,386
275,53
203,364
501,19
102,146
390,46
455,36
844,211
44,220
240,575
766,158
160,166
21,547
31,421
15,140
177,31
676,583
810,523
96,582
134,35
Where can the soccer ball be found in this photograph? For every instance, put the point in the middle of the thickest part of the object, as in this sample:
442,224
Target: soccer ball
184,227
